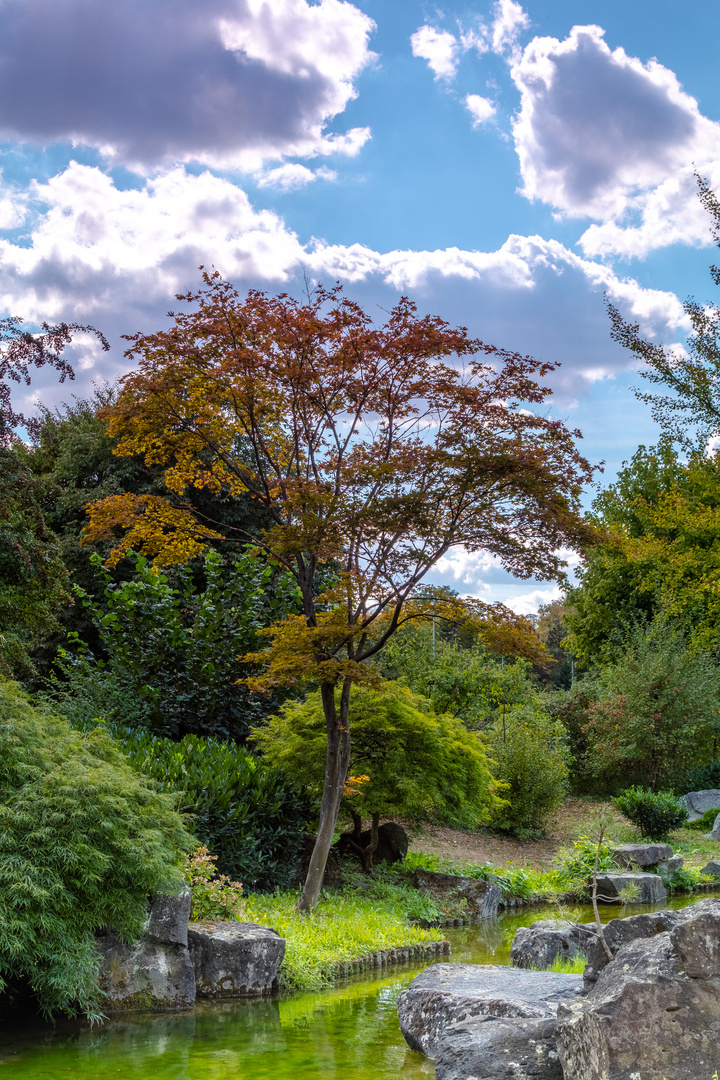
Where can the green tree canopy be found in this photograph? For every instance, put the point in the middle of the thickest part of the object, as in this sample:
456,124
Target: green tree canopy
418,764
660,555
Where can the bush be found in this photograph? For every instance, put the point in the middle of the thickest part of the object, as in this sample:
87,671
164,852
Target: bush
84,842
405,760
174,654
244,812
575,867
656,813
531,756
706,822
214,896
702,778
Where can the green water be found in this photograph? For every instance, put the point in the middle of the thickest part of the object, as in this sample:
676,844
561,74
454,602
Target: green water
347,1033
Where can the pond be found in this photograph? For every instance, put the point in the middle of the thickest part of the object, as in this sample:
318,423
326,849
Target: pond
347,1033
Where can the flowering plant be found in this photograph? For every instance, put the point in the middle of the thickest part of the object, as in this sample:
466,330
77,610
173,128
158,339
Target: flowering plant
214,896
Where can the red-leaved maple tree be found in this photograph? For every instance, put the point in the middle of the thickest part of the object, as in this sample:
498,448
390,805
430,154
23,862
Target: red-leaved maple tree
373,448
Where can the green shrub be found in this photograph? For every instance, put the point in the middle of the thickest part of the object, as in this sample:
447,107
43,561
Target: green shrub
703,778
417,764
575,866
706,822
531,756
84,842
244,812
214,896
656,813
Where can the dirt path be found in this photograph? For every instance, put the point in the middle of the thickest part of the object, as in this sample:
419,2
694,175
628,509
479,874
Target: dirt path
500,850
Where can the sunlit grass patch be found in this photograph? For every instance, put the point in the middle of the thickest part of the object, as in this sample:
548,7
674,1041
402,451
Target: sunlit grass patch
345,926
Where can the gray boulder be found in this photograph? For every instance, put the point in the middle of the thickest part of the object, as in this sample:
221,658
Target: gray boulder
488,1049
233,959
619,932
154,974
650,888
448,994
537,946
698,802
642,855
482,898
714,833
654,1011
669,866
712,869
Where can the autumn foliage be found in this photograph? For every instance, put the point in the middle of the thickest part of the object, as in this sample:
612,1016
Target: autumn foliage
374,449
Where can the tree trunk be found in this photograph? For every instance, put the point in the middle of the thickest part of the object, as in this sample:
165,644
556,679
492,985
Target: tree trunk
370,850
336,767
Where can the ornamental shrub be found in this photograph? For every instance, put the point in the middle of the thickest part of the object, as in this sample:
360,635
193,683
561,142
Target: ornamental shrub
245,812
531,756
405,759
705,823
214,896
703,778
656,813
84,842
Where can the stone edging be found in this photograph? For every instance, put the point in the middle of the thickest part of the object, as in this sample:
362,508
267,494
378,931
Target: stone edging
386,957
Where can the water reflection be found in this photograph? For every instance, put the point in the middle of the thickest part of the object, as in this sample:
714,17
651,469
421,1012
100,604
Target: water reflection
349,1032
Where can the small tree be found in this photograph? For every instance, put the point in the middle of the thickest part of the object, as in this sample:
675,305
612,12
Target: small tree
406,760
373,456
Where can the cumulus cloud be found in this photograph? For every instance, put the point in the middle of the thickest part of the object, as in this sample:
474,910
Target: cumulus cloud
510,20
480,108
291,177
598,130
528,603
440,48
94,252
153,81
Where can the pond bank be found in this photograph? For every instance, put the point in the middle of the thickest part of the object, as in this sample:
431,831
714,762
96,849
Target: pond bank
347,1032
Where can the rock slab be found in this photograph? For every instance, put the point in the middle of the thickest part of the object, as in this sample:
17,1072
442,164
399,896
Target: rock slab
235,960
482,898
712,869
448,994
537,946
650,888
698,802
499,1050
654,1010
156,973
642,855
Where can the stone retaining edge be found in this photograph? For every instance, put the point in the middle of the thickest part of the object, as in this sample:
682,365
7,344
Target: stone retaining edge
385,957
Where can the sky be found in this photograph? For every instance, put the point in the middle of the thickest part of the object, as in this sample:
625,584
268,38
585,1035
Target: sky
507,166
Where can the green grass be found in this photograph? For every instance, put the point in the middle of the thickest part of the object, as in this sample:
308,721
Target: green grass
513,880
345,926
569,965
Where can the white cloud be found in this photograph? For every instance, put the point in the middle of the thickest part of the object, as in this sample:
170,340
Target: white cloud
94,252
440,48
599,133
480,108
528,603
292,176
233,83
509,21
467,568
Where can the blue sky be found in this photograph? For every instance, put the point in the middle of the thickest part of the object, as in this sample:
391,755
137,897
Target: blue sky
504,164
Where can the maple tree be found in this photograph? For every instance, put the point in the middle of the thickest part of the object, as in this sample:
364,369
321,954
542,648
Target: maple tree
373,448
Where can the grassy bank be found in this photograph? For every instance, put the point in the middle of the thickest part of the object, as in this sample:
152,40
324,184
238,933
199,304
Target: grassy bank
347,925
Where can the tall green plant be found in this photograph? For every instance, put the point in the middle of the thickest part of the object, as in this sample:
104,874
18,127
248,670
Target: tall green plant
174,655
84,842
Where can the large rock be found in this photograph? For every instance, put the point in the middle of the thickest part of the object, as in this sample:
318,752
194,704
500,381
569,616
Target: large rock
714,833
654,1011
447,994
712,869
482,898
698,802
154,974
537,946
619,932
488,1049
642,855
648,888
233,959
392,843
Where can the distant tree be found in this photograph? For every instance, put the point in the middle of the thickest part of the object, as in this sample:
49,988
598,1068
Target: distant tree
690,412
659,556
372,455
21,350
